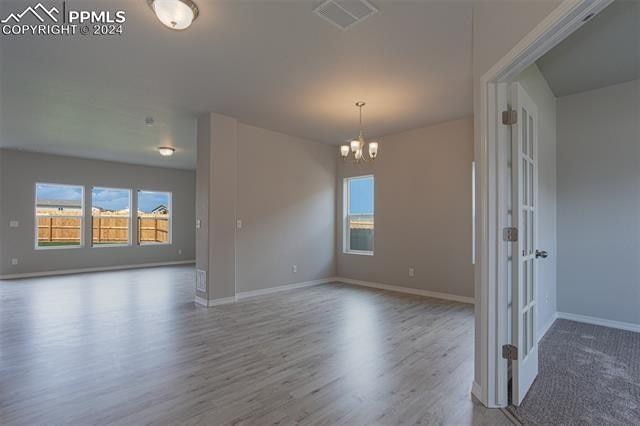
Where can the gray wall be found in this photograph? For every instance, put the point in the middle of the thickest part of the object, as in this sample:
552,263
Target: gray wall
422,211
286,201
537,88
20,171
599,203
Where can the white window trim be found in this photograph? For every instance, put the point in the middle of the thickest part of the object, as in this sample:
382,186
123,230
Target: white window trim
130,233
170,219
35,218
346,232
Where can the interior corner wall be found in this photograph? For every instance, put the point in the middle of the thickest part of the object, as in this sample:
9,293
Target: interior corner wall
538,89
286,201
216,183
423,211
20,171
599,203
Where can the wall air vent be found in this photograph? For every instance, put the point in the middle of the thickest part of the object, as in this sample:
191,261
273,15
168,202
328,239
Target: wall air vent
201,280
345,13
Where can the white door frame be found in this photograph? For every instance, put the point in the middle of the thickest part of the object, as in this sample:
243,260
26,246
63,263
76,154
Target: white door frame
490,271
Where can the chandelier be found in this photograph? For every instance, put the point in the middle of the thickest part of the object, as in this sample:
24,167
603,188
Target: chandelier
357,146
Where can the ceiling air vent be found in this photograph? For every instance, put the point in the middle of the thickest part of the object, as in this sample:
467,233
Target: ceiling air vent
345,13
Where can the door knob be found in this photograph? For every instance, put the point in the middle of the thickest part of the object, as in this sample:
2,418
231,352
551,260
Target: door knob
543,254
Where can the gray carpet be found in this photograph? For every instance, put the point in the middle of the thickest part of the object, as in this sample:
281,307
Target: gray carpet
588,375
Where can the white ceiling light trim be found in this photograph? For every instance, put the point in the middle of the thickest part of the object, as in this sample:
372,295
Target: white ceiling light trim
166,151
175,14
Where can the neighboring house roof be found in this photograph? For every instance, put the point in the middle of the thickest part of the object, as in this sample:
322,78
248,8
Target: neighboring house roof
60,203
161,208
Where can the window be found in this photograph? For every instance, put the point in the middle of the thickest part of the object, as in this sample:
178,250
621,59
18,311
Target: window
59,214
358,216
154,217
110,217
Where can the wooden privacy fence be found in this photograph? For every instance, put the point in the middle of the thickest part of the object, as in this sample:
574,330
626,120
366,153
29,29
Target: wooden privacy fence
153,229
105,229
59,229
110,230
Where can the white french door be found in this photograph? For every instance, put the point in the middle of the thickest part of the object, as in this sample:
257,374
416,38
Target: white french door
524,166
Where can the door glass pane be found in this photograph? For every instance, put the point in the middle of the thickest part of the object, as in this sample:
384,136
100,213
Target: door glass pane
525,287
531,128
525,145
530,282
525,183
531,179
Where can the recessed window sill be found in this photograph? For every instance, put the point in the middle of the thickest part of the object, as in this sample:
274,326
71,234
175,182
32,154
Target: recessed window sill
63,247
361,253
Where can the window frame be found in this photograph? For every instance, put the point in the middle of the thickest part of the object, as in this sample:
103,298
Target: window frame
81,217
346,203
130,230
169,219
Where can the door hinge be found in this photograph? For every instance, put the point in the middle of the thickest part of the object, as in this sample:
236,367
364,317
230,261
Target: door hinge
509,117
510,352
510,234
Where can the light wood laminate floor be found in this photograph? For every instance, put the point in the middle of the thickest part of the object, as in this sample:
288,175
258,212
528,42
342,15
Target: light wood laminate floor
131,347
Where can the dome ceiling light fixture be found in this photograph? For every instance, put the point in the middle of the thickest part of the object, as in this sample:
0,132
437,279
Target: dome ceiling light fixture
175,14
166,151
356,146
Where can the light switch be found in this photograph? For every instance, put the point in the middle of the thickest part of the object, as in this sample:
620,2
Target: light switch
14,224
239,223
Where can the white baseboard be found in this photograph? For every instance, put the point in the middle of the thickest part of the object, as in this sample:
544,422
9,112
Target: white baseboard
547,326
407,290
95,269
476,391
253,293
247,294
214,302
600,321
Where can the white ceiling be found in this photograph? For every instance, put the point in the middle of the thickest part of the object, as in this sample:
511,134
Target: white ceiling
605,51
272,64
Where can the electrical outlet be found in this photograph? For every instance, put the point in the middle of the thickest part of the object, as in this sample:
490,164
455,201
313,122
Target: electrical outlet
546,297
179,251
14,261
412,272
294,269
14,224
198,223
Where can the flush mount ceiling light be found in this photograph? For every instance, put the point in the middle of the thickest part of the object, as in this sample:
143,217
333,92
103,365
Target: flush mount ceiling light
175,14
357,146
166,151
